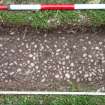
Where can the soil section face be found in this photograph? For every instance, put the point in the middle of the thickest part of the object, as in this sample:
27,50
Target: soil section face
51,60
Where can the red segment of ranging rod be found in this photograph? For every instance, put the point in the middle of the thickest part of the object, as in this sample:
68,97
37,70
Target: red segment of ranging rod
3,7
57,7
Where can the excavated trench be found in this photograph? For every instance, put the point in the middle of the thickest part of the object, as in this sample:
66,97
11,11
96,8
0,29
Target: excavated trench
66,58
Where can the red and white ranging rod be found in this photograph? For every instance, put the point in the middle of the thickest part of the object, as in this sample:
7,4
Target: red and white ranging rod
34,7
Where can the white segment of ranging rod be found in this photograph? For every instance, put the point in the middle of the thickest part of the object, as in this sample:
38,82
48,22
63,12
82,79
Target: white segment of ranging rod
25,7
89,6
50,93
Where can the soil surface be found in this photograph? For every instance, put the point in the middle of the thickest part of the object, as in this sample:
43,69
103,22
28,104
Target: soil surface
52,60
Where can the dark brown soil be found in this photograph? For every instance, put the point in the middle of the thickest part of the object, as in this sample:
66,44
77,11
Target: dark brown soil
52,59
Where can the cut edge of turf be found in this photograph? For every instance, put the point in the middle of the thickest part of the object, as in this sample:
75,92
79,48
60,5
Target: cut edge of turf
60,29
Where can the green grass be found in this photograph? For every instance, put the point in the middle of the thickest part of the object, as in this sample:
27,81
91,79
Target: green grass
52,100
47,19
82,87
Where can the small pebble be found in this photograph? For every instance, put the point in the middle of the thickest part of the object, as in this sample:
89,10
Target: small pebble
67,75
1,45
72,65
30,55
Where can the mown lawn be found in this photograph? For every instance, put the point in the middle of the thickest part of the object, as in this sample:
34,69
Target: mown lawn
52,100
47,19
